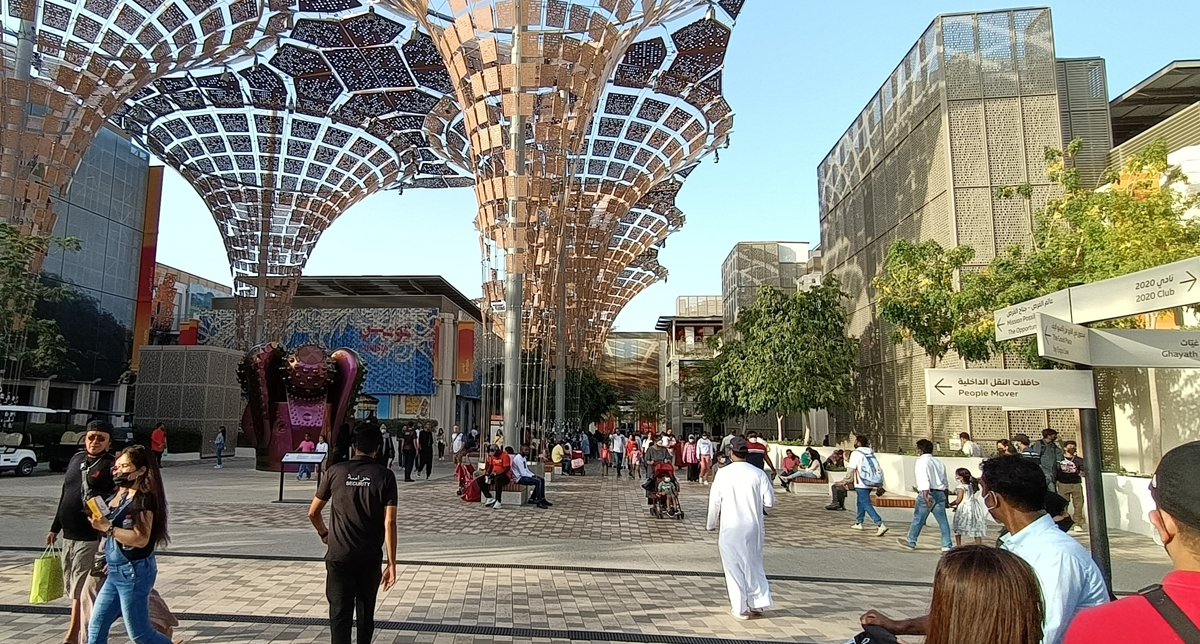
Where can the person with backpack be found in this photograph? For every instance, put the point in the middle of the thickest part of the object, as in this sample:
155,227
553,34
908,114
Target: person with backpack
1168,613
864,467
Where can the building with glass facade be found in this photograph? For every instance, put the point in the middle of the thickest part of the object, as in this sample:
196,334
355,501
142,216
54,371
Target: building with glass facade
751,265
972,107
106,208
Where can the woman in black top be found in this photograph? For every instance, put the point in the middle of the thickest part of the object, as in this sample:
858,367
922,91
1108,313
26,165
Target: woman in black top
136,524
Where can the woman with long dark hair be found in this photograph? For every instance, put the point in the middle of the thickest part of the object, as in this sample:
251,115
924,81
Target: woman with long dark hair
136,524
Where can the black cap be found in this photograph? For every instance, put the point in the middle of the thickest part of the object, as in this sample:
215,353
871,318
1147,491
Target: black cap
1176,488
739,445
100,426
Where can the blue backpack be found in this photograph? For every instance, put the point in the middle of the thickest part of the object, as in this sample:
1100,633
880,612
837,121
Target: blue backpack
869,472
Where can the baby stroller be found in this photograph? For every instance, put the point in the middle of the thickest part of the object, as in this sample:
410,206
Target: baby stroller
577,463
663,493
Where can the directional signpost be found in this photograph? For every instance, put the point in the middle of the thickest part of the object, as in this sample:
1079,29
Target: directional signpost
1062,341
1019,320
1154,289
1137,348
1011,388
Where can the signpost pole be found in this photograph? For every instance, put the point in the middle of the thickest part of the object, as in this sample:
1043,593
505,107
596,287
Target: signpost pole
281,483
1093,482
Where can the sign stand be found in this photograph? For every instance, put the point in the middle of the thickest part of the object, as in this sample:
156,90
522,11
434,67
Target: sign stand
1089,436
311,458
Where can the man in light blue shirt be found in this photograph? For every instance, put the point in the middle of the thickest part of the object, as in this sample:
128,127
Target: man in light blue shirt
1014,490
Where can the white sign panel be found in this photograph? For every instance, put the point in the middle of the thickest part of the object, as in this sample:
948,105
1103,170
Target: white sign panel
1146,349
302,457
1018,320
1062,341
1015,388
1154,289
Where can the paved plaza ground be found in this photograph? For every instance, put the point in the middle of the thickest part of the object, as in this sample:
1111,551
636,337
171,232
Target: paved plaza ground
594,568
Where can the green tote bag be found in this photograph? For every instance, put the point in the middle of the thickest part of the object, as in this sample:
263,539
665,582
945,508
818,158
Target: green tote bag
47,577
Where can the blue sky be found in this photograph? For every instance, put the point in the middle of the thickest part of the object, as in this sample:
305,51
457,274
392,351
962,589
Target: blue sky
797,74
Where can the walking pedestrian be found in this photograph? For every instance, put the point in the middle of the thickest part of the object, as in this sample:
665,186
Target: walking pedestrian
970,447
520,474
458,444
1149,616
725,446
739,495
219,445
691,459
494,476
932,487
585,446
618,446
408,450
1049,454
362,499
387,449
635,457
705,451
1004,447
970,514
1069,476
441,444
323,450
980,596
863,467
307,446
88,474
135,526
758,455
158,442
425,451
1068,578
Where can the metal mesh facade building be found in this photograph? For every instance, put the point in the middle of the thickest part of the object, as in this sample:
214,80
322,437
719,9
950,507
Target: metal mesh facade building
972,107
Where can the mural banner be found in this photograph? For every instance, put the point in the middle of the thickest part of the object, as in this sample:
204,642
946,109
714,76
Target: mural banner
465,363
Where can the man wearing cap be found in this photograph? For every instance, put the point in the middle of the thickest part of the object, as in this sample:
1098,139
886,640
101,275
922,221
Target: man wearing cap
1170,613
740,492
494,475
89,474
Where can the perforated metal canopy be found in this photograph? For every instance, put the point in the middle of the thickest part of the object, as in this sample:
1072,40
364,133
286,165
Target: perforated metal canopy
1154,100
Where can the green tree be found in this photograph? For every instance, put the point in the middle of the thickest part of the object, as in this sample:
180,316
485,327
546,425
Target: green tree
648,406
597,396
1140,222
26,339
700,383
791,354
918,296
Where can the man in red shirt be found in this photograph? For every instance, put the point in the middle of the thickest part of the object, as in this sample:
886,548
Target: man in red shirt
158,442
1170,614
494,475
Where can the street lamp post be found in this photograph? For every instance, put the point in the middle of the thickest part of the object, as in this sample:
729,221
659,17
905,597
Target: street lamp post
514,275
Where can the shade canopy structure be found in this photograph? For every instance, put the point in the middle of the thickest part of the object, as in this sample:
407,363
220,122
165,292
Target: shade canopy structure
282,143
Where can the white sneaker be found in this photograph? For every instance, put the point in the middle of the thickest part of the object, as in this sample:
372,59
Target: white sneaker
945,549
489,503
1077,528
496,506
857,526
740,616
882,530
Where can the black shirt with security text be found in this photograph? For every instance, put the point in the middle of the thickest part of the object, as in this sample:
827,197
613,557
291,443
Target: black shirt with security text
359,492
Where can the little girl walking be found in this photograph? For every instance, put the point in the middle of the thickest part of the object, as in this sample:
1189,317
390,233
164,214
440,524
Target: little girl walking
970,513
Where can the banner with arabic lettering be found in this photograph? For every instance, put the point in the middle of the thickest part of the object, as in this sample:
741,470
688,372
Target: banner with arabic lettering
396,344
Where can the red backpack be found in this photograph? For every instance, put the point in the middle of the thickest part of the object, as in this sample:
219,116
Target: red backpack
468,487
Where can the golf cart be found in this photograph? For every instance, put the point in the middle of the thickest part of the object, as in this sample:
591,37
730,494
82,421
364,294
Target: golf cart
59,454
15,454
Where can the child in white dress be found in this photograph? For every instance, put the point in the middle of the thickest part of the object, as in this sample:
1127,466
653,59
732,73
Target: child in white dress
970,513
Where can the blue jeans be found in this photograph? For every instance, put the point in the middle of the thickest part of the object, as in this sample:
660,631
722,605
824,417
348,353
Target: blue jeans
125,594
219,450
539,487
618,460
305,469
921,515
864,506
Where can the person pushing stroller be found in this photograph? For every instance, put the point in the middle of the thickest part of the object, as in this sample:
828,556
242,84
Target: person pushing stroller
662,487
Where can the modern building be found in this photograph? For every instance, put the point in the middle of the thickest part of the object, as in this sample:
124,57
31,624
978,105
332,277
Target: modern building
179,300
751,265
634,361
970,108
111,204
697,319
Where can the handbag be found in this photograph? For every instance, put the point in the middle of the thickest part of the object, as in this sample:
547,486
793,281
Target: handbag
47,583
577,463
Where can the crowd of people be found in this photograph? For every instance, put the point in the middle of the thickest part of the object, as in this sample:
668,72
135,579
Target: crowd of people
1039,585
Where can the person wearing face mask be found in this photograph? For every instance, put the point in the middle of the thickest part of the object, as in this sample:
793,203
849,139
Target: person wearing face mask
1014,492
135,526
1168,613
89,474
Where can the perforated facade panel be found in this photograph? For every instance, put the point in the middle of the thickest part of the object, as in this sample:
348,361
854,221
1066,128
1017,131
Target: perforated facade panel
923,161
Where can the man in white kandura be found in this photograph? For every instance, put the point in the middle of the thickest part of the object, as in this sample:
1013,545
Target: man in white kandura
740,492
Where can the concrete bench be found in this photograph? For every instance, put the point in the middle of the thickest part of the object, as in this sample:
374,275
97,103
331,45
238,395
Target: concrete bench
523,490
792,486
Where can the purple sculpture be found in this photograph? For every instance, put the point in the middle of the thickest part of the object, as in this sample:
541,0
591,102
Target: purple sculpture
288,395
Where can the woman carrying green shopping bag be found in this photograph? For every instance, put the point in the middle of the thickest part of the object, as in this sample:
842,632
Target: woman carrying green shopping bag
136,525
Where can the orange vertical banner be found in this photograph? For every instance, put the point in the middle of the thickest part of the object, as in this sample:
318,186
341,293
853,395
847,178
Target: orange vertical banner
465,358
145,292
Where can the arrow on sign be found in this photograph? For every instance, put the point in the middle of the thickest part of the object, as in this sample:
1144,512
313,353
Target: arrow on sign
939,386
1191,282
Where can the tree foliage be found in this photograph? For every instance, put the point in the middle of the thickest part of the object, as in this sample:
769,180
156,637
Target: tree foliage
648,405
790,353
1139,222
27,340
597,396
699,383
